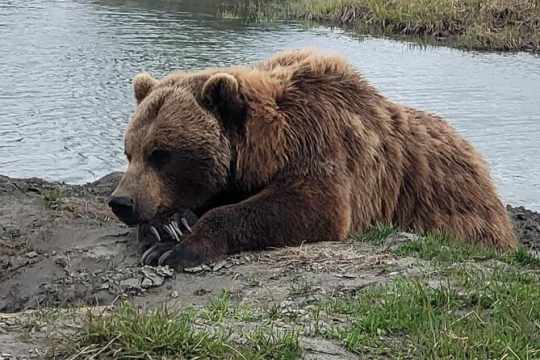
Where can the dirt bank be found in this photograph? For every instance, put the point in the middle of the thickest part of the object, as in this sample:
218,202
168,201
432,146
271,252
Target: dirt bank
60,246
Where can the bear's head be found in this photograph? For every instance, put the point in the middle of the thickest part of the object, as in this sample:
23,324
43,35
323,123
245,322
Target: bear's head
179,144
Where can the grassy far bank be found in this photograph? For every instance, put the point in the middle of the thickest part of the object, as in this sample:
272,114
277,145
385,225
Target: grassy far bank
498,25
467,302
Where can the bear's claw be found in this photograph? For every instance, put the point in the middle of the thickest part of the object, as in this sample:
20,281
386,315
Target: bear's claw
154,232
169,253
185,223
170,230
167,258
176,228
153,255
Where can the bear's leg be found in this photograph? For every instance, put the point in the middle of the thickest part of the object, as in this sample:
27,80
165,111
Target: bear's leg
276,217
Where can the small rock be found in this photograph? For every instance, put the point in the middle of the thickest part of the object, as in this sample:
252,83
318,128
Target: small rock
164,271
147,283
154,276
201,292
104,286
219,265
174,294
32,254
129,283
193,270
53,253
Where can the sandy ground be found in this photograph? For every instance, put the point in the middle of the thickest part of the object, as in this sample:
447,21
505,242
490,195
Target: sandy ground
75,253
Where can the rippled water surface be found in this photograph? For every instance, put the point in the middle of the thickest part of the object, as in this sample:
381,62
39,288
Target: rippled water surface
66,70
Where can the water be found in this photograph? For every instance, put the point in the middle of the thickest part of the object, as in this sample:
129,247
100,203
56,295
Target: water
66,69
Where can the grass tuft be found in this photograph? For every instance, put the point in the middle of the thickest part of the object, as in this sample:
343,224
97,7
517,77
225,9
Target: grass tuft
219,307
52,198
377,234
130,333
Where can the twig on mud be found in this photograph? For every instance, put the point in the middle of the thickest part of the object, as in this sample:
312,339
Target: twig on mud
106,346
473,312
84,351
89,350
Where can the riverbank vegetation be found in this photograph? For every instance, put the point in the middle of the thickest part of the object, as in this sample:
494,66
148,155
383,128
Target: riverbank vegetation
462,302
498,25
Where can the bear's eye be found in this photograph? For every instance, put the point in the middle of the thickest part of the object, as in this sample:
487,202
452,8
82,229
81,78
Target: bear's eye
158,158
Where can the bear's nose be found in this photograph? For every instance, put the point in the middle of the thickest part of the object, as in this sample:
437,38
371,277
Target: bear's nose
123,207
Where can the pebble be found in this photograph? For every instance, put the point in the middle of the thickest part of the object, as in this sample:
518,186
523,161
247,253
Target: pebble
105,286
147,283
174,294
193,270
32,254
130,283
201,292
219,265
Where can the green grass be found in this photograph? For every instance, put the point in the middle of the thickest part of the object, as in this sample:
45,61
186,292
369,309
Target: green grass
469,24
442,247
300,287
150,334
52,198
464,309
477,315
377,234
218,308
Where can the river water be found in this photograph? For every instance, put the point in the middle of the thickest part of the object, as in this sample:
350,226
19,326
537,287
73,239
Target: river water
66,69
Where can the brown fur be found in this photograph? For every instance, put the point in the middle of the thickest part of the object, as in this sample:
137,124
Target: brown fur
302,149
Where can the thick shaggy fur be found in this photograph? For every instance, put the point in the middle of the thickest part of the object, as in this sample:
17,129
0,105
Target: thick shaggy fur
299,149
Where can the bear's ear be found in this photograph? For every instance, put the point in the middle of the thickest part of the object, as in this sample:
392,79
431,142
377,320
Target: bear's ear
142,84
221,95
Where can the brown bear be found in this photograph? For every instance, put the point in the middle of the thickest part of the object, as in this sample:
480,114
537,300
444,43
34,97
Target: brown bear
299,148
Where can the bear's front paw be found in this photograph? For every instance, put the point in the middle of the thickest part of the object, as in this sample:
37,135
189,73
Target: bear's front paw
173,229
173,254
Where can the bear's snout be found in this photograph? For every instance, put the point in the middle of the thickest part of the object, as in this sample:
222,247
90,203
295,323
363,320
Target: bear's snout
124,208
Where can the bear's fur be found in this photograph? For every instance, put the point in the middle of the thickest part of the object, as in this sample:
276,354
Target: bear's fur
298,149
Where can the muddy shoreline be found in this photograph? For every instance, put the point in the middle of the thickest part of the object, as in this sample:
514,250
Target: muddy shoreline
60,245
